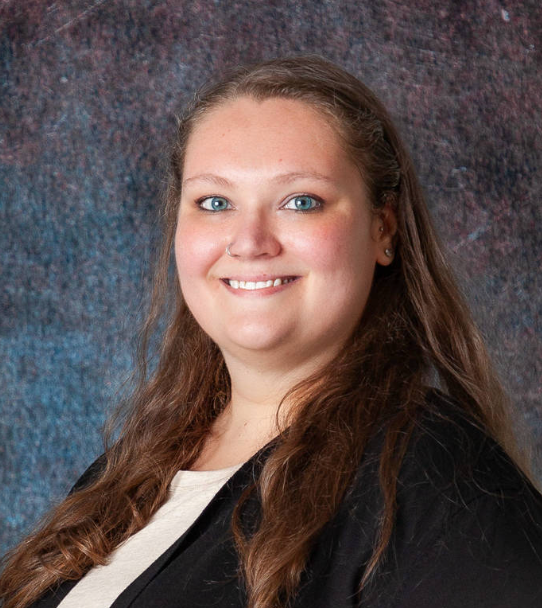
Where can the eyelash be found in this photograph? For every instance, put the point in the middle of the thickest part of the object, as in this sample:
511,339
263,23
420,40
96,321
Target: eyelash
318,207
199,202
319,202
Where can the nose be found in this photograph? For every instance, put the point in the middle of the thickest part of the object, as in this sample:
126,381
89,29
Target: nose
254,236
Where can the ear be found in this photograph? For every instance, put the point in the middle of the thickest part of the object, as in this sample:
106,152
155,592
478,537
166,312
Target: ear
384,229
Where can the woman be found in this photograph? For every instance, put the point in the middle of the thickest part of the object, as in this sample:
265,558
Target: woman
287,450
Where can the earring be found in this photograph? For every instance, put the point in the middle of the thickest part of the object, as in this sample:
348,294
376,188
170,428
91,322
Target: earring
388,252
381,229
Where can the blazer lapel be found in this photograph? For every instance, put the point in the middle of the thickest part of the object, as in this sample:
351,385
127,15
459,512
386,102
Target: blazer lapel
217,513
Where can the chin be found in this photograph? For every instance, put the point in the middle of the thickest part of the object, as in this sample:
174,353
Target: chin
255,339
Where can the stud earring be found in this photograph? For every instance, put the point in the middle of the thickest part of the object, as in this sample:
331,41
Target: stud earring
389,252
381,229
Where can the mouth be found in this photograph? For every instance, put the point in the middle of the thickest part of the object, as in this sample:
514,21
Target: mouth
255,285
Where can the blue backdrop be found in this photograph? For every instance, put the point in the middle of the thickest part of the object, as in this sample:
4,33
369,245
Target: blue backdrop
88,94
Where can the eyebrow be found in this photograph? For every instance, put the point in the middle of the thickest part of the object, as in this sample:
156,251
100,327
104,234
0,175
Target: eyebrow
281,178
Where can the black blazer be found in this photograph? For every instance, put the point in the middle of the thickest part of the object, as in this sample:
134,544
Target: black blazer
468,535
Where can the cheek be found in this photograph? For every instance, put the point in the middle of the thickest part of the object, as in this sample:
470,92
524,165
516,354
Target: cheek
195,251
336,247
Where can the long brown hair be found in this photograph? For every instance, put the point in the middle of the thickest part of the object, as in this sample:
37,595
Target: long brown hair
415,327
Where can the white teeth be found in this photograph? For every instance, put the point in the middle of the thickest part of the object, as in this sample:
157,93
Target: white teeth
252,285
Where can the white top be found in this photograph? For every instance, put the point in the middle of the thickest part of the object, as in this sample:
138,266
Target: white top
190,493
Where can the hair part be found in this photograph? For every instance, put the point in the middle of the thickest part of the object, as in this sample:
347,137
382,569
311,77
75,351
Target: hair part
415,324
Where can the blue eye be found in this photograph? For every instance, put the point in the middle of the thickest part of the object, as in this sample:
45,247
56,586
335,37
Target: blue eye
303,202
214,203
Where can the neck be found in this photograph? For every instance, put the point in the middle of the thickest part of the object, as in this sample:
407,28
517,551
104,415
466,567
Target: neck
253,417
259,385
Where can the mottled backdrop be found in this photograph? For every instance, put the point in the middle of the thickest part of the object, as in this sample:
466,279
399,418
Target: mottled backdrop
88,94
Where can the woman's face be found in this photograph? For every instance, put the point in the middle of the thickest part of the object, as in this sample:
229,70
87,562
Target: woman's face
269,182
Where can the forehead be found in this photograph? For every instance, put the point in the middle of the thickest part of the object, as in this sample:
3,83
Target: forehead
247,133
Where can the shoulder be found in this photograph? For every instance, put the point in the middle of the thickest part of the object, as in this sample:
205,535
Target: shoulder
448,455
91,474
468,525
450,450
453,471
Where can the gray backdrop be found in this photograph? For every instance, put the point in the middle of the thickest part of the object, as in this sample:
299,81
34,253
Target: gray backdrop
88,92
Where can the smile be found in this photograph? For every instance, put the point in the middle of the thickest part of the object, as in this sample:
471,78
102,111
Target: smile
253,285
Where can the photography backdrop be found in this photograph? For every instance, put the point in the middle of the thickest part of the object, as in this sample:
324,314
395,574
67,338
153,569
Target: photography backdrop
89,90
